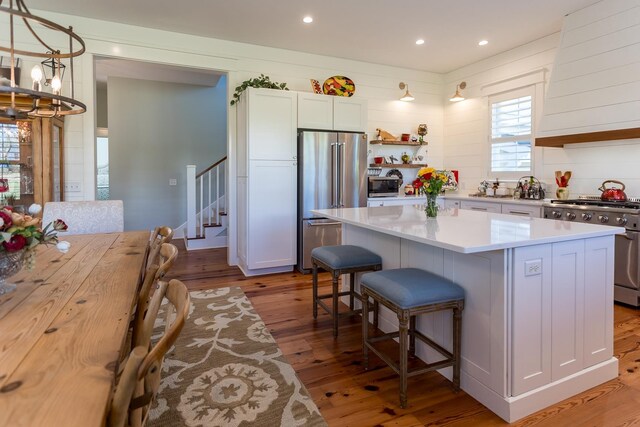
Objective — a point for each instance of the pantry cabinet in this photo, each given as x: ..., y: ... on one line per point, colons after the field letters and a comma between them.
x: 326, y: 112
x: 267, y: 180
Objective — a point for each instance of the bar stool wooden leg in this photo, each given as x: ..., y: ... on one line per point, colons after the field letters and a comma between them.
x: 352, y: 281
x: 403, y: 323
x: 376, y: 308
x: 412, y: 336
x: 457, y: 335
x: 365, y: 328
x: 335, y: 303
x: 315, y: 290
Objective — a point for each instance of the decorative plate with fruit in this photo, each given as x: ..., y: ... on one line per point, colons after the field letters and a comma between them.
x: 339, y: 86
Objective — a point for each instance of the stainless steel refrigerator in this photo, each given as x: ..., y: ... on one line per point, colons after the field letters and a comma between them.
x: 331, y: 174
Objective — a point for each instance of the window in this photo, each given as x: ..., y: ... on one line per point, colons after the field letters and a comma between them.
x: 102, y: 168
x: 10, y: 161
x: 511, y: 131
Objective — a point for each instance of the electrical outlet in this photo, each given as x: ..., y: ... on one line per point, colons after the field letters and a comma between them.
x: 533, y: 267
x: 72, y: 187
x: 173, y: 181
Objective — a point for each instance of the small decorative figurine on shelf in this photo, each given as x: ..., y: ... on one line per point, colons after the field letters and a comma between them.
x: 422, y: 131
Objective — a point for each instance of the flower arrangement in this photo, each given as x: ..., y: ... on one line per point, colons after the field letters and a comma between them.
x: 430, y: 182
x: 20, y: 231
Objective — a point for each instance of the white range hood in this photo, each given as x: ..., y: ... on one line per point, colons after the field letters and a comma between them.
x: 594, y: 92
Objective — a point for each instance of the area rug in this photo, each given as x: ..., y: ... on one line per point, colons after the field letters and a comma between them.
x: 227, y: 370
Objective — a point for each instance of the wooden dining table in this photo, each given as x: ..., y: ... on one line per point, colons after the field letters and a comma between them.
x: 62, y: 331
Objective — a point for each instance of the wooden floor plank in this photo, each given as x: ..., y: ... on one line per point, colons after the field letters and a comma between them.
x: 347, y: 395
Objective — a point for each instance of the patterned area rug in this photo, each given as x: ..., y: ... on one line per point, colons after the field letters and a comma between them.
x: 227, y: 370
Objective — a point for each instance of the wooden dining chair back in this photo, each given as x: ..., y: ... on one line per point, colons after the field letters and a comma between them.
x: 154, y: 273
x: 140, y: 378
x: 160, y: 236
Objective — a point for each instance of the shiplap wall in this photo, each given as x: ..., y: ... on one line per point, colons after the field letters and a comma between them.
x: 377, y: 83
x: 466, y: 124
x: 595, y: 85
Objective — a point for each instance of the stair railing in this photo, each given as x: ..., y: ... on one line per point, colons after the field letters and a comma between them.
x: 204, y: 197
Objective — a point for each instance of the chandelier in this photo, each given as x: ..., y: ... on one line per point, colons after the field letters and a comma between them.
x: 18, y: 103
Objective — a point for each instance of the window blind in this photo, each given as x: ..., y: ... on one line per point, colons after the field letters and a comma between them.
x: 511, y: 135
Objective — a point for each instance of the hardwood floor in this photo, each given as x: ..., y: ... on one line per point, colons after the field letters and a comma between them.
x: 349, y: 396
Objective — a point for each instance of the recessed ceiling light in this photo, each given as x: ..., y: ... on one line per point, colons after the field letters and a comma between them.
x: 483, y: 43
x: 307, y: 20
x: 419, y: 41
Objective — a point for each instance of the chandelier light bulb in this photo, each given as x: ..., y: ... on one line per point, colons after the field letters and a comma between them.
x: 56, y: 84
x: 36, y: 73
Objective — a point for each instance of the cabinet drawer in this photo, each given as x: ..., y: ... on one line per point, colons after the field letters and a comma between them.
x: 522, y: 210
x: 451, y: 203
x: 481, y: 206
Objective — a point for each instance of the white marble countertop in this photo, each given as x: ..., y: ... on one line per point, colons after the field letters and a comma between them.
x: 466, y: 231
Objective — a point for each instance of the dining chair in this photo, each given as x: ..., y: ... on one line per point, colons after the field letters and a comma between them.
x: 154, y: 273
x: 140, y: 378
x: 86, y: 217
x: 161, y: 235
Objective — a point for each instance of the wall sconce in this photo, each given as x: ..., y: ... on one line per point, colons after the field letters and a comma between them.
x: 458, y: 96
x: 407, y: 96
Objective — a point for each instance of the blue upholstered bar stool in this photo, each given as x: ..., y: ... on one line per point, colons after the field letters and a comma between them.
x: 337, y: 260
x: 409, y: 292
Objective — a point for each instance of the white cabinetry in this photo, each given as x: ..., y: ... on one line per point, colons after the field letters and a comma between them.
x: 522, y: 210
x: 448, y: 203
x: 481, y: 206
x: 562, y: 325
x: 331, y: 112
x: 266, y: 120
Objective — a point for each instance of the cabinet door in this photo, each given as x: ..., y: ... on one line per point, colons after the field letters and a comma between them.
x: 272, y: 122
x: 349, y: 114
x: 531, y: 318
x: 481, y: 206
x: 522, y: 210
x: 271, y: 230
x: 451, y: 203
x: 315, y: 111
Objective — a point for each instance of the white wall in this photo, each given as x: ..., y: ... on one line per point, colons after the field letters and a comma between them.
x: 155, y: 129
x: 466, y: 126
x: 377, y: 83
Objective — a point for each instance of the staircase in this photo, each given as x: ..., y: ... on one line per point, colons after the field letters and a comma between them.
x: 207, y: 220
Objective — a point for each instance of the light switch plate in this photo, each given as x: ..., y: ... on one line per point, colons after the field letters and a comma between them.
x: 72, y: 187
x: 173, y: 182
x: 533, y: 267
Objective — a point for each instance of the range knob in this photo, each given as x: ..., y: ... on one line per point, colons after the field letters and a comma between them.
x: 621, y: 220
x: 586, y: 217
x: 570, y: 216
x: 556, y: 214
x: 603, y: 218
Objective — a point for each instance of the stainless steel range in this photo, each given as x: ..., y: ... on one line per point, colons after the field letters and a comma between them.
x: 591, y: 209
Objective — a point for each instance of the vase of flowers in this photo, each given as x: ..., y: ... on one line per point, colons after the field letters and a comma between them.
x: 430, y: 183
x: 20, y: 234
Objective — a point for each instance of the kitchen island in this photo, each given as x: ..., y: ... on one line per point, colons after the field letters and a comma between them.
x: 538, y: 318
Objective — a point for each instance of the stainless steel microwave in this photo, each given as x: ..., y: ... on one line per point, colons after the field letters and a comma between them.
x: 384, y: 186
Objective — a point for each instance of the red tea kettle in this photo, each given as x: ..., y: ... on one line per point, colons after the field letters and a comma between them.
x: 612, y: 194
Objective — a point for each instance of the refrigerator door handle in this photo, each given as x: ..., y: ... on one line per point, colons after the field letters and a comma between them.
x: 341, y: 174
x: 334, y: 175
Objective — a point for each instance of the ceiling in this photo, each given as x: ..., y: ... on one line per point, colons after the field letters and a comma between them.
x: 377, y: 31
